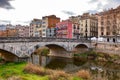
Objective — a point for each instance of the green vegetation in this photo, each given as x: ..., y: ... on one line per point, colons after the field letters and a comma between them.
x: 77, y: 78
x: 86, y: 54
x: 12, y: 70
x: 81, y: 55
x: 97, y: 56
x: 45, y: 51
x: 24, y: 71
x: 9, y: 69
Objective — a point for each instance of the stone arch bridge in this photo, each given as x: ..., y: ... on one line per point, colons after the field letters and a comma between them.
x: 25, y: 46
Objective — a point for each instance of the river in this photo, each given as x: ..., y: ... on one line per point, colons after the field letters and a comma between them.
x: 98, y: 70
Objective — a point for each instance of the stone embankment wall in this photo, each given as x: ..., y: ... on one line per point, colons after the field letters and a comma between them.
x: 111, y: 48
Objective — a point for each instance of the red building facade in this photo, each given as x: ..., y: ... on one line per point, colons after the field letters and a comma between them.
x: 66, y: 29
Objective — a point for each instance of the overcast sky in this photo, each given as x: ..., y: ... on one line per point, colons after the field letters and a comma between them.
x: 19, y: 11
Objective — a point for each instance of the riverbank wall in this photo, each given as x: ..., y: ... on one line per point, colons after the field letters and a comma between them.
x: 110, y: 48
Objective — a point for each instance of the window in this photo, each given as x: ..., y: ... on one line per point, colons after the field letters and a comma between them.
x: 43, y: 26
x: 78, y: 27
x: 43, y: 34
x: 107, y: 39
x: 43, y: 22
x: 107, y: 33
x: 108, y: 28
x: 102, y: 28
x: 37, y: 26
x: 108, y: 22
x: 102, y: 23
x: 101, y: 18
x: 113, y: 32
x: 81, y: 24
x: 81, y: 29
x: 102, y: 33
x: 74, y: 27
x: 43, y: 30
x: 113, y: 39
x: 108, y: 17
x: 50, y: 30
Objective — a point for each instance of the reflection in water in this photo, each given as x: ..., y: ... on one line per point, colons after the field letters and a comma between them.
x: 99, y: 70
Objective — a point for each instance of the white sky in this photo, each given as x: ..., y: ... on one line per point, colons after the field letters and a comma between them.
x: 26, y: 10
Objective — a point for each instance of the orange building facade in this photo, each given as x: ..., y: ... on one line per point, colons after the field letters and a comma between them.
x: 52, y: 20
x: 8, y: 33
x: 48, y: 25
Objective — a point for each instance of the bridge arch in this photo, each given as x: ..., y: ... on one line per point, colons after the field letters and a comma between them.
x: 8, y: 56
x: 49, y: 45
x: 81, y: 48
x: 56, y: 46
x: 55, y: 49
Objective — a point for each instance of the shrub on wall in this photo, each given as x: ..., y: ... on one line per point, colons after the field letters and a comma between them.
x: 45, y: 52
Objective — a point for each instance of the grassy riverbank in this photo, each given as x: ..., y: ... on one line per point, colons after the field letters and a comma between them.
x: 14, y: 71
x: 24, y: 71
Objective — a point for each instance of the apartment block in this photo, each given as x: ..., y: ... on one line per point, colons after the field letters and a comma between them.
x: 48, y: 25
x: 88, y: 25
x: 67, y: 29
x: 109, y: 22
x: 23, y: 31
x: 36, y: 28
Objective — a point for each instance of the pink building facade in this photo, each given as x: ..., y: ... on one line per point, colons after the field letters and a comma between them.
x: 67, y: 29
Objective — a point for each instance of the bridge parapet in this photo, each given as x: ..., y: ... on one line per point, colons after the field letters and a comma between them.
x: 39, y: 39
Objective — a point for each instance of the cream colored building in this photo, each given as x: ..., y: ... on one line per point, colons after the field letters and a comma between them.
x: 36, y: 28
x: 88, y: 25
x: 44, y: 26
